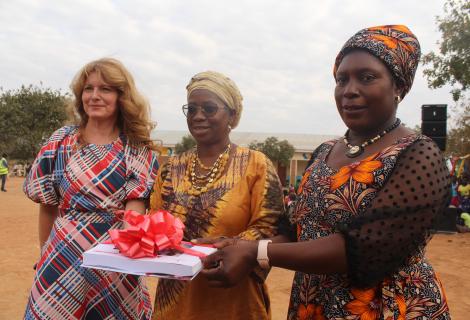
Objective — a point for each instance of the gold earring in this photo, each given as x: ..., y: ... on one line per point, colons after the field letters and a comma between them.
x: 229, y: 127
x: 398, y: 99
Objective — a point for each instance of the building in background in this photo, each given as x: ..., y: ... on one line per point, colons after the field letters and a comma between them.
x: 304, y: 144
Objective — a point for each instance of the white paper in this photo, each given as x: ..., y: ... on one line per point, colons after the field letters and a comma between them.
x: 177, y: 266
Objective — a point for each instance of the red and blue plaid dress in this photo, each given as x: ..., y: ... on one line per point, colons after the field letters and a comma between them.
x: 88, y: 184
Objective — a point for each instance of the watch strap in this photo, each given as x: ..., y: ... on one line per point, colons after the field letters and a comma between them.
x: 262, y: 256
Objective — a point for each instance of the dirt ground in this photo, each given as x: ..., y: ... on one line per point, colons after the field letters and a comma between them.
x: 449, y: 253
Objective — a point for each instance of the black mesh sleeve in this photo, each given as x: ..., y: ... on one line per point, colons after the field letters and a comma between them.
x: 399, y: 222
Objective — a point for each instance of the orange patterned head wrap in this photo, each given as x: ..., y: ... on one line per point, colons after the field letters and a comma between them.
x: 395, y: 45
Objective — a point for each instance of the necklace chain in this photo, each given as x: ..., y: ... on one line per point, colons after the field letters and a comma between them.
x: 354, y: 151
x: 202, y: 183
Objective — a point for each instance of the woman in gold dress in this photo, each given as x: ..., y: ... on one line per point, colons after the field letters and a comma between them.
x: 217, y: 189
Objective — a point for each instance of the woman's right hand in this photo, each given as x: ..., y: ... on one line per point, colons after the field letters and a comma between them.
x: 231, y: 263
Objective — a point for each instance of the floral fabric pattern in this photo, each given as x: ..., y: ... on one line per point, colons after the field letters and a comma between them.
x: 394, y: 45
x: 330, y: 199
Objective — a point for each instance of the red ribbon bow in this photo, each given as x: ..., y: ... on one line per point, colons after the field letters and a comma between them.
x: 147, y: 235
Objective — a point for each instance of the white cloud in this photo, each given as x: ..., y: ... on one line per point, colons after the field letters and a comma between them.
x: 280, y: 53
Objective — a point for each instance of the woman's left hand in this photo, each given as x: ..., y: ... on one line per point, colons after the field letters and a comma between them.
x: 229, y: 265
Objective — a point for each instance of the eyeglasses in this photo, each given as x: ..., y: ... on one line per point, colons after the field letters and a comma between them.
x: 209, y: 110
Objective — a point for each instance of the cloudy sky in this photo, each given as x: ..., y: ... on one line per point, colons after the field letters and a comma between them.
x: 280, y: 53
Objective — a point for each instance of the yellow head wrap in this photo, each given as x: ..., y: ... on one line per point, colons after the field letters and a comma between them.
x: 223, y: 87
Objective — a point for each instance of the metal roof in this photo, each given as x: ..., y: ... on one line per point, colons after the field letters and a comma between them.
x: 301, y: 142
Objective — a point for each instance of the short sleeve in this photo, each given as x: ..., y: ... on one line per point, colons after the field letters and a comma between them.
x: 141, y: 172
x: 39, y: 185
x: 266, y: 205
x: 399, y: 222
x: 266, y: 200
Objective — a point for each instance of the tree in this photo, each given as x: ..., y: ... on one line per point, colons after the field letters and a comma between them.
x: 277, y: 151
x: 28, y: 116
x: 458, y: 138
x: 452, y: 64
x: 187, y: 143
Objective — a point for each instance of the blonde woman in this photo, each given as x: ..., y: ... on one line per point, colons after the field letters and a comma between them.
x: 81, y: 177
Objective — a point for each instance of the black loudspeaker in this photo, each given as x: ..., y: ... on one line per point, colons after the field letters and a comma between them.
x: 434, y: 112
x: 434, y: 123
x: 434, y: 128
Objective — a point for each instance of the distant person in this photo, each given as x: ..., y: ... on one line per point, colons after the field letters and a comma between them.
x: 18, y: 169
x: 463, y: 222
x: 291, y: 189
x: 464, y: 194
x: 4, y: 170
x: 82, y: 178
x: 466, y: 219
x: 454, y: 200
x: 291, y: 200
x: 27, y: 167
x: 285, y: 194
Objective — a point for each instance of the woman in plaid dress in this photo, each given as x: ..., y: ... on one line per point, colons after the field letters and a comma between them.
x: 82, y: 178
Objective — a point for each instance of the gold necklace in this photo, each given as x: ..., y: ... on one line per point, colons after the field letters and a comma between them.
x: 202, y: 183
x: 200, y: 164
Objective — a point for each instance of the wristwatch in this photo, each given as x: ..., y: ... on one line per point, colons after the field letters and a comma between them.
x: 262, y: 257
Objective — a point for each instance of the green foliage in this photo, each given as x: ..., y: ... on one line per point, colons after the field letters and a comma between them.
x: 28, y: 116
x: 452, y: 64
x: 458, y: 138
x: 278, y: 151
x: 187, y: 143
x: 417, y: 128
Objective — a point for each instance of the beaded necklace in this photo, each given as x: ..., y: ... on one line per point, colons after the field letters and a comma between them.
x: 354, y: 151
x: 202, y: 183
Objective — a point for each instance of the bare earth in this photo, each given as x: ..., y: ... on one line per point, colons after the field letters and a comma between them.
x: 450, y: 255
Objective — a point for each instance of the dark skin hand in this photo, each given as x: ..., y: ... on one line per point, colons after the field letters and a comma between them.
x: 234, y: 261
x: 236, y: 258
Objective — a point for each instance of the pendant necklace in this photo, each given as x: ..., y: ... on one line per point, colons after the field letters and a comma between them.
x: 354, y: 151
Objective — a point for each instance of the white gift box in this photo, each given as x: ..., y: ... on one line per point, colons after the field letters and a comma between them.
x: 175, y: 266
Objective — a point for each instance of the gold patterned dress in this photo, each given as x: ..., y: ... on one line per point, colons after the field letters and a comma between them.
x: 246, y: 201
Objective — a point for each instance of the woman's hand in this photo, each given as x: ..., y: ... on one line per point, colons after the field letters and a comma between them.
x: 232, y: 263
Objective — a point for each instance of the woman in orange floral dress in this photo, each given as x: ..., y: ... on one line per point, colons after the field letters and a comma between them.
x: 366, y: 204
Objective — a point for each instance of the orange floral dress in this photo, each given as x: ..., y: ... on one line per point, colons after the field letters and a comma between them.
x: 384, y: 205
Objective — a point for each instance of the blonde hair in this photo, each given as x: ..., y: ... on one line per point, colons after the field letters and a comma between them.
x: 134, y: 110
